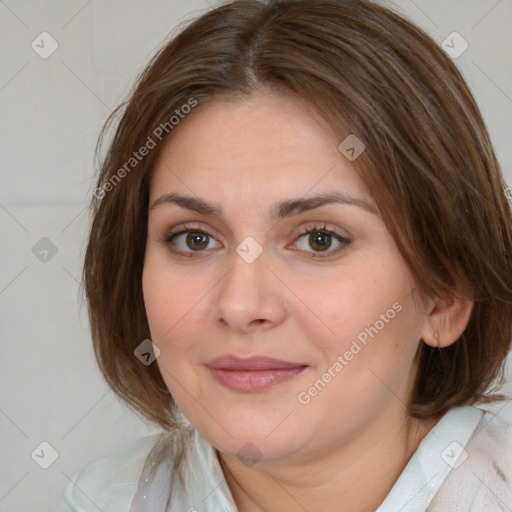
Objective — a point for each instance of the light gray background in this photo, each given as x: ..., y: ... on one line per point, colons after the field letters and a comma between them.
x: 51, y: 113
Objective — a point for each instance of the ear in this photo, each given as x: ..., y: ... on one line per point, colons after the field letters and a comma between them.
x: 448, y: 318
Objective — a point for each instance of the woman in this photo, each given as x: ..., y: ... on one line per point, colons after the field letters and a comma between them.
x: 299, y: 268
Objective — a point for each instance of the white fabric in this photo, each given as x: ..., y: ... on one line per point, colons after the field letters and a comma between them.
x: 463, y: 464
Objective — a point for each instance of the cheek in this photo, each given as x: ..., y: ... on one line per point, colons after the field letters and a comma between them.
x: 169, y: 297
x: 166, y: 312
x: 341, y: 308
x: 368, y: 335
x: 366, y: 366
x: 176, y: 309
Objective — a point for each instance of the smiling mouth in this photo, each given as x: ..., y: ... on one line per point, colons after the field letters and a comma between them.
x: 253, y: 374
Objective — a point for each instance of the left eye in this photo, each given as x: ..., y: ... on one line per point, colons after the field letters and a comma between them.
x: 195, y: 240
x: 321, y: 240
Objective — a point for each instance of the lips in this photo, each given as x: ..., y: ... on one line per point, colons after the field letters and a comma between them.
x: 252, y: 374
x: 251, y: 363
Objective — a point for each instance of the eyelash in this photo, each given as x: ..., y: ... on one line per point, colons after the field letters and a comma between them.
x: 169, y: 238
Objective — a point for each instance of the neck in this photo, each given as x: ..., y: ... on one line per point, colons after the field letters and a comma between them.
x: 356, y: 475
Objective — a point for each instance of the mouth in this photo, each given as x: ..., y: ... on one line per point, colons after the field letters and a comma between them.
x: 252, y: 374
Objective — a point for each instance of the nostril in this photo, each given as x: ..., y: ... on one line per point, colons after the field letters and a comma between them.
x: 258, y: 321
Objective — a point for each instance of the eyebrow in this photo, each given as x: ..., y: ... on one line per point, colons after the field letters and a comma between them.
x: 279, y: 211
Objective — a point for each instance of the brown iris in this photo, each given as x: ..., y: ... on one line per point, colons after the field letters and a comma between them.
x: 195, y: 238
x: 320, y: 241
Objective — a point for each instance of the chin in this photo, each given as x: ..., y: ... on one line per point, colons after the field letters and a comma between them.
x: 247, y: 434
x: 254, y: 450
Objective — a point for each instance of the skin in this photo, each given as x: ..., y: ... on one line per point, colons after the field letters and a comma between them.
x: 351, y: 441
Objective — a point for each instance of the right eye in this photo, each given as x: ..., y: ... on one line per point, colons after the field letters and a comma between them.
x: 188, y: 241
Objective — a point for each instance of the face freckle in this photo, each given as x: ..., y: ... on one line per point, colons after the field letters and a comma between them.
x: 285, y: 303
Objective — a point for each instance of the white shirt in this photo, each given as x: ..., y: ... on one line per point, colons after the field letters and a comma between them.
x: 463, y: 464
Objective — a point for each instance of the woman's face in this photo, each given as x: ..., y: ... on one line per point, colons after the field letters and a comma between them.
x: 274, y: 342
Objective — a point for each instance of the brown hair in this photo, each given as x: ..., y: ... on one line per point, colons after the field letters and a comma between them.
x: 429, y: 165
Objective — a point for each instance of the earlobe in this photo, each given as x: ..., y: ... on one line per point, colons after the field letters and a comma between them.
x: 447, y: 321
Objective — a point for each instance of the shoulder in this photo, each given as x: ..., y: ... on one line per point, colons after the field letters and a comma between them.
x: 489, y: 451
x: 109, y: 483
x: 483, y: 478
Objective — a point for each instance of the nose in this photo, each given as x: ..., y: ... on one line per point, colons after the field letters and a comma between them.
x: 249, y: 296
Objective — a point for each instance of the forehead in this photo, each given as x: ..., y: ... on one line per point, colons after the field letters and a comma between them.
x: 265, y: 142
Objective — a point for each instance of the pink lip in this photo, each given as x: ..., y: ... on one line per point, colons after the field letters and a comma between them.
x: 254, y: 373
